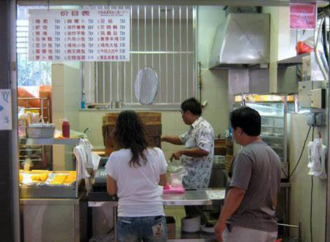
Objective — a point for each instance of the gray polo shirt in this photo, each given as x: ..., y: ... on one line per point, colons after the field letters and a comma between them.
x: 256, y: 169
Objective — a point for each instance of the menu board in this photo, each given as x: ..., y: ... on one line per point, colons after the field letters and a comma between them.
x: 79, y: 35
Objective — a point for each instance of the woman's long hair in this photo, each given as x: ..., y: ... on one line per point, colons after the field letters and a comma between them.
x: 129, y: 133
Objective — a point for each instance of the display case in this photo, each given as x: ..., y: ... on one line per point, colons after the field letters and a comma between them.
x: 39, y: 180
x: 51, y: 203
x: 273, y: 110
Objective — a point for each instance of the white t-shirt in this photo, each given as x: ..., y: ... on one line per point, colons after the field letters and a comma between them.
x: 137, y: 187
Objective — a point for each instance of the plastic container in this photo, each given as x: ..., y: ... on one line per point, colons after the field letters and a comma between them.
x: 40, y: 132
x: 191, y: 225
x: 66, y: 129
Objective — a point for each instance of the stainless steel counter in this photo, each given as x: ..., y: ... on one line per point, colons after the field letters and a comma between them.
x: 199, y: 197
x: 51, y: 220
x: 195, y: 197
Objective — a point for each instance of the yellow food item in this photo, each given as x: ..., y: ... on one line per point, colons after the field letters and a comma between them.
x: 43, y: 177
x: 58, y: 179
x: 20, y: 177
x: 40, y: 177
x: 71, y: 177
x: 35, y: 178
x: 72, y: 173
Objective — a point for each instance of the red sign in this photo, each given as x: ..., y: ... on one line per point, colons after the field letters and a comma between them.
x: 303, y: 15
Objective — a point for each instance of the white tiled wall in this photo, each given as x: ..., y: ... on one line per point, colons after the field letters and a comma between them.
x: 209, y: 18
x: 301, y: 185
x: 66, y: 90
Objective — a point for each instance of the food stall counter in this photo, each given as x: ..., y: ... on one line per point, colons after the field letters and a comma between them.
x: 190, y: 197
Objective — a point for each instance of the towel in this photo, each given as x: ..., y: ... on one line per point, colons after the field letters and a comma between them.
x: 86, y: 159
x: 81, y: 159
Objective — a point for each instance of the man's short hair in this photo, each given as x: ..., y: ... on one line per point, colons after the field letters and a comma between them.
x: 192, y: 105
x: 247, y: 119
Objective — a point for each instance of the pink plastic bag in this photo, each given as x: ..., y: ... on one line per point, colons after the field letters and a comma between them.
x: 168, y: 189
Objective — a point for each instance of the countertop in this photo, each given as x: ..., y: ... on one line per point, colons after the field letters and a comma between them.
x: 190, y: 197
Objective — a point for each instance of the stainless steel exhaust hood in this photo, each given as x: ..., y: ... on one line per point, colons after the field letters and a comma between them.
x: 241, y: 40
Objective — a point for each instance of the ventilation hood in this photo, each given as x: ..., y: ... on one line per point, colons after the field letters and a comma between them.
x: 241, y: 40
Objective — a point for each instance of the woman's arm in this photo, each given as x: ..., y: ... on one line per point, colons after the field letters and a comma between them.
x: 111, y: 186
x: 162, y: 180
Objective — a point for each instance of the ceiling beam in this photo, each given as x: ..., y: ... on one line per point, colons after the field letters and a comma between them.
x: 160, y: 2
x: 169, y: 2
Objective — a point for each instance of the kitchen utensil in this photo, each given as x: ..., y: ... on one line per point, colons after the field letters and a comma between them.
x: 146, y: 85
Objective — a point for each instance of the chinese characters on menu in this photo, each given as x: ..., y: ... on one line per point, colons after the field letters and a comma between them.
x: 79, y: 35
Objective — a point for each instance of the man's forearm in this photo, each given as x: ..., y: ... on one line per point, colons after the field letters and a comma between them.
x: 172, y: 139
x: 195, y: 152
x: 233, y: 201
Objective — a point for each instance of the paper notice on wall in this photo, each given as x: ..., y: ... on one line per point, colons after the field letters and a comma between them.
x: 79, y: 35
x: 5, y: 109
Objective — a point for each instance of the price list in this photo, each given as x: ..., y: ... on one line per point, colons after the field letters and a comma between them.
x: 79, y: 35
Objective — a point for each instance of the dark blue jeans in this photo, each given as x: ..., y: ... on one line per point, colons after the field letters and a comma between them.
x: 137, y: 229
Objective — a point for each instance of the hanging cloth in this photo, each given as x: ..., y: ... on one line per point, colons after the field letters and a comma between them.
x: 316, y: 158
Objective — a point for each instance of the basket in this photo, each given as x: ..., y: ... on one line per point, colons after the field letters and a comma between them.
x: 40, y: 132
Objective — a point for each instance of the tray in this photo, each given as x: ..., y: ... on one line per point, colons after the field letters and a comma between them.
x: 47, y: 190
x: 40, y: 132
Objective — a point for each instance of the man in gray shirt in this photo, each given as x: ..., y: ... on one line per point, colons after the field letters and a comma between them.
x: 249, y: 211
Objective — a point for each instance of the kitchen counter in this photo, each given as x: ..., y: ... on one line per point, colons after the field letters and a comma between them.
x: 43, y: 218
x: 192, y: 197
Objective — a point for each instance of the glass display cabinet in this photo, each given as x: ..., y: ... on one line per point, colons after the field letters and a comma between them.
x: 274, y: 129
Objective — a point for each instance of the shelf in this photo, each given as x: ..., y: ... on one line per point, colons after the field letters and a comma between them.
x: 193, y: 237
x: 293, y: 61
x: 271, y: 116
x: 271, y: 136
x: 35, y: 108
x: 50, y: 141
x: 23, y: 149
x: 270, y: 126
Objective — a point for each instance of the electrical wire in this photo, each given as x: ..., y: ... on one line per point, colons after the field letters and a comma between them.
x: 317, y: 55
x: 324, y: 40
x: 286, y: 175
x: 302, y: 151
x: 311, y: 208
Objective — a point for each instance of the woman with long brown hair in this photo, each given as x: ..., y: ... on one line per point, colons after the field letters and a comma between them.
x: 133, y: 173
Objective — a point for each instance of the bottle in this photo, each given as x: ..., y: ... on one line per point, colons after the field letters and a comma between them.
x: 230, y: 133
x: 66, y: 129
x: 27, y: 164
x: 83, y: 105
